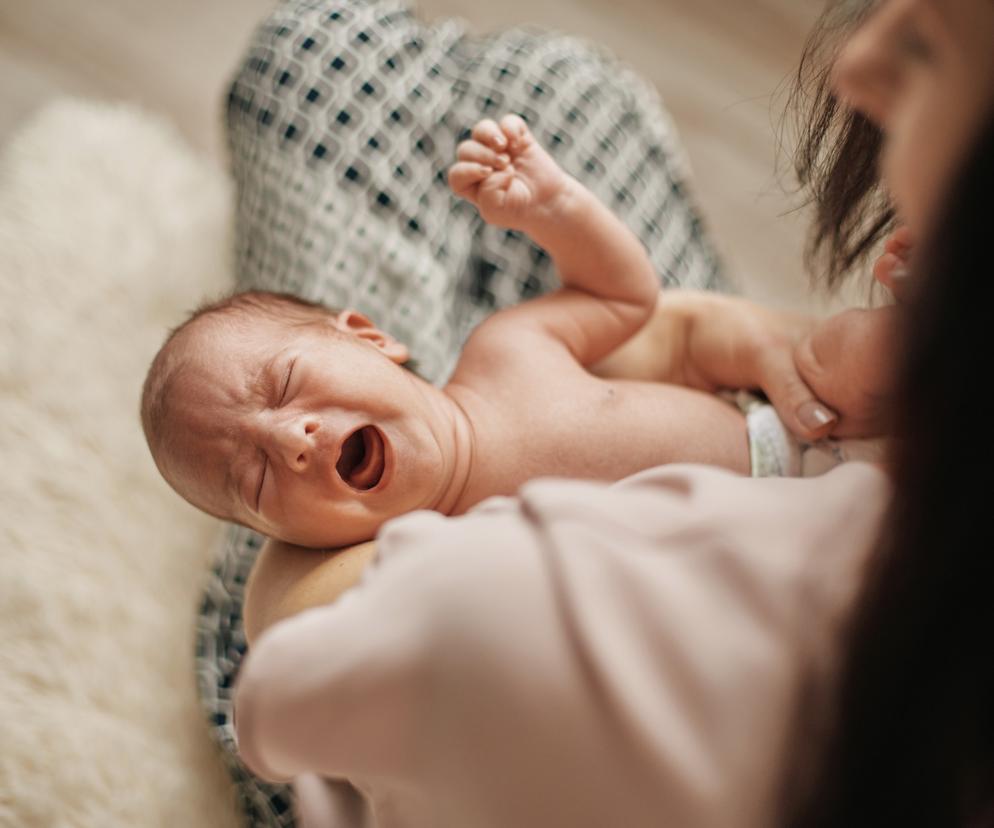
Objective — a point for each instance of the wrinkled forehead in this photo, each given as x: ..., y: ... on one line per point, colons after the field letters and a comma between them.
x: 196, y: 459
x: 218, y: 373
x: 218, y: 364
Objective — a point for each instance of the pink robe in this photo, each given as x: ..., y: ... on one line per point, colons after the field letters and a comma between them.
x: 662, y: 651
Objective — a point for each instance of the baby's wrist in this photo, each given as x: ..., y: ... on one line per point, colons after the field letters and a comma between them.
x: 559, y: 213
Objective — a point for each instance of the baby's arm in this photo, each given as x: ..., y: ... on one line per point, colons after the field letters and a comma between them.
x: 609, y: 285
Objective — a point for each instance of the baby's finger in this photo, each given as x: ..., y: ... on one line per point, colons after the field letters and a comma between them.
x: 480, y: 154
x: 514, y: 128
x: 499, y: 182
x: 466, y: 175
x: 487, y: 132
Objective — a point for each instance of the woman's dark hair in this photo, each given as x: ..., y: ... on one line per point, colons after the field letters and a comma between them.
x: 914, y: 731
x: 836, y: 154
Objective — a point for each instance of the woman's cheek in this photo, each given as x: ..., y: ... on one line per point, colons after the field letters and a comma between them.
x: 905, y: 171
x: 927, y: 146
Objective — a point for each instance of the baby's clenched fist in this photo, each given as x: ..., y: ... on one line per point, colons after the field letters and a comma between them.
x: 513, y: 181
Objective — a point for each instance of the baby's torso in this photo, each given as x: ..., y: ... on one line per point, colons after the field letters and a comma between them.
x: 537, y: 413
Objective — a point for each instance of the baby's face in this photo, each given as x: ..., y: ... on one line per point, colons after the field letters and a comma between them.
x: 311, y: 435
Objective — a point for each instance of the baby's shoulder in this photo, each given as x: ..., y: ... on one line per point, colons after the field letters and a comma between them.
x: 500, y: 352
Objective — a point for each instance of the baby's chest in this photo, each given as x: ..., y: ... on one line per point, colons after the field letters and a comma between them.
x: 562, y: 426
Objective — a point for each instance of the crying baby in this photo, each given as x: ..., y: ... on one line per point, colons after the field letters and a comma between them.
x: 302, y: 422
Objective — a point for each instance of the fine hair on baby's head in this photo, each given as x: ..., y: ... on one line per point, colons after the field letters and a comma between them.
x: 296, y: 420
x: 240, y: 309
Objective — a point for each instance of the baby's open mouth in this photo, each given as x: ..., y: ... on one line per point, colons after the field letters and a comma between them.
x: 362, y: 460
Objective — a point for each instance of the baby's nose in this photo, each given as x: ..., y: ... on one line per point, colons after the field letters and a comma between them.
x: 296, y: 440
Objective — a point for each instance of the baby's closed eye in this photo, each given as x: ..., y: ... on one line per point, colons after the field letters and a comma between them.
x: 286, y: 382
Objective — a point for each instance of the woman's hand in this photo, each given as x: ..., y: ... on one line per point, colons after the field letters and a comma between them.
x: 709, y: 341
x: 847, y: 359
x: 824, y: 377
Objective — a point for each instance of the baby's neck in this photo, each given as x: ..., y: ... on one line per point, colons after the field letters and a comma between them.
x: 458, y: 437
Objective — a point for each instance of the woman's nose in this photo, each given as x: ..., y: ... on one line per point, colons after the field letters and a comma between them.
x: 865, y: 75
x: 295, y: 440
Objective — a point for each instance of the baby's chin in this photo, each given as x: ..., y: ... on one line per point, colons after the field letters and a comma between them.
x: 324, y: 540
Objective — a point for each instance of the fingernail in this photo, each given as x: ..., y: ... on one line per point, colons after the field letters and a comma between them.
x: 504, y: 159
x: 899, y: 273
x: 814, y: 416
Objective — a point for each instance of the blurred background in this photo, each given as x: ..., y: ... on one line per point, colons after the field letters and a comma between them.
x: 721, y: 67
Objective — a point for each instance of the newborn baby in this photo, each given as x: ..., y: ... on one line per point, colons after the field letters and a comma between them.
x: 301, y: 422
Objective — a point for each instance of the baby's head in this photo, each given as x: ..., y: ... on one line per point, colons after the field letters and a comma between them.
x: 292, y: 419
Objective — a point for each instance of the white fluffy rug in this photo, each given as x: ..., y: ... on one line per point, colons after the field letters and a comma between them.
x: 109, y: 230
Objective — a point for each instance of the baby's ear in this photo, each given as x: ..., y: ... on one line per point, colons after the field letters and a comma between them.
x: 355, y: 323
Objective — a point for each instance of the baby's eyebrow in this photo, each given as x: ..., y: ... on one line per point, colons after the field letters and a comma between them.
x: 264, y: 382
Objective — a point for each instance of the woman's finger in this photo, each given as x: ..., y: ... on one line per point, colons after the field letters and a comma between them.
x: 799, y: 409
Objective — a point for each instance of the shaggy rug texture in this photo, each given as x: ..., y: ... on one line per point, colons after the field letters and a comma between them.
x: 109, y: 230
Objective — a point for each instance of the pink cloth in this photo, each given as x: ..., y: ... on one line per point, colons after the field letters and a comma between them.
x: 657, y: 652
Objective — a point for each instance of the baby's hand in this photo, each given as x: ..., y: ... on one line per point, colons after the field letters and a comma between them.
x: 513, y: 182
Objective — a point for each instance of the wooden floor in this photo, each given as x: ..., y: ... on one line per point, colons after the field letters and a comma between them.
x: 717, y: 63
